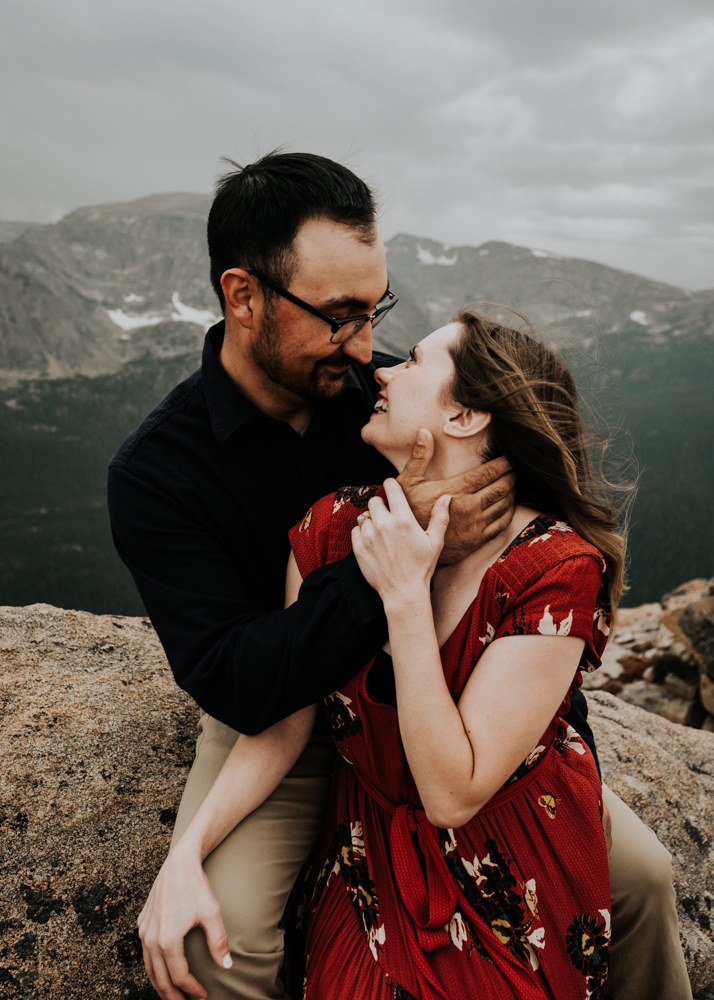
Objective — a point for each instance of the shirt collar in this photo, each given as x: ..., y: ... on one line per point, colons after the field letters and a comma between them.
x: 228, y: 409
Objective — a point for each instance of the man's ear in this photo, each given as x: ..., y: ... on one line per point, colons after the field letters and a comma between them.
x: 467, y: 423
x: 243, y: 297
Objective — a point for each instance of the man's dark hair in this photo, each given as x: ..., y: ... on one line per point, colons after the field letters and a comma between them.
x: 259, y: 208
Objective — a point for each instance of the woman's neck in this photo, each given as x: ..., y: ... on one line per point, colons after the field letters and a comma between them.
x: 456, y: 586
x: 452, y: 457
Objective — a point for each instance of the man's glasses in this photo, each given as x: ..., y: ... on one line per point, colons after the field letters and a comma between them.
x: 342, y: 330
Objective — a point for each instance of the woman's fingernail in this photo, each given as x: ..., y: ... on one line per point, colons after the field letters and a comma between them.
x: 448, y: 501
x: 227, y: 962
x: 421, y: 437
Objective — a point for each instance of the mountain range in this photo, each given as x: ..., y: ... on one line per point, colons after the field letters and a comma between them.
x: 103, y: 311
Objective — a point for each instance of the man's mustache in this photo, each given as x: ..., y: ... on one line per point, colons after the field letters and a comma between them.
x: 338, y: 359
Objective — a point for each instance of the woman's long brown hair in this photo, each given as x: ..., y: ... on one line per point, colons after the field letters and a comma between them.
x: 536, y: 423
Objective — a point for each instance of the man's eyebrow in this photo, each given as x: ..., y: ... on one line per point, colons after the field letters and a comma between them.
x: 349, y: 302
x: 344, y: 301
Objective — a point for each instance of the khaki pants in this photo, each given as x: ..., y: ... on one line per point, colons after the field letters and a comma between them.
x: 254, y: 868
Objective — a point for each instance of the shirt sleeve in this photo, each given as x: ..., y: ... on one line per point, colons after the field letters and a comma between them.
x: 244, y: 664
x: 564, y: 600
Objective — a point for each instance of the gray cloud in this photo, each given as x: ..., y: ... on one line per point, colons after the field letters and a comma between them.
x: 583, y: 128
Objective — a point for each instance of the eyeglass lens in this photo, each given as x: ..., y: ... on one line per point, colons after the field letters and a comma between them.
x: 349, y: 330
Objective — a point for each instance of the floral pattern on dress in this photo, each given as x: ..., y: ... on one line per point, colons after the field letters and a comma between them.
x: 399, y: 993
x: 539, y: 530
x: 347, y: 857
x: 548, y: 802
x: 343, y: 720
x: 568, y: 739
x: 548, y: 626
x: 587, y: 941
x: 508, y: 905
x: 358, y: 496
x: 461, y: 932
x: 528, y: 764
x: 602, y: 617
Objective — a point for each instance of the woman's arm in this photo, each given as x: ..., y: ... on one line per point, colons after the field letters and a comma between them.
x: 459, y: 755
x: 181, y: 897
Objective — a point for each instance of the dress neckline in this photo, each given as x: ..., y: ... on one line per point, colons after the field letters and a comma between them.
x: 522, y: 536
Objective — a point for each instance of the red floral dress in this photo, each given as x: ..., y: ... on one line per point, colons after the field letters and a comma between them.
x: 516, y: 903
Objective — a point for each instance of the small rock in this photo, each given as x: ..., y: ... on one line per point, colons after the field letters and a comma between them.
x: 706, y: 691
x: 687, y: 593
x: 671, y: 699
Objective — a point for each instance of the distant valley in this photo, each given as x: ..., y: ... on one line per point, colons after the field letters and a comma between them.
x: 103, y: 312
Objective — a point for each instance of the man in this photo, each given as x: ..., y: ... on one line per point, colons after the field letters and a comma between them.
x: 201, y: 498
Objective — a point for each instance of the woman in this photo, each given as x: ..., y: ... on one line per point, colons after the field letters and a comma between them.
x: 462, y: 853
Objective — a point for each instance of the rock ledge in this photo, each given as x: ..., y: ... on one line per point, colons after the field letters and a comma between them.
x: 96, y: 742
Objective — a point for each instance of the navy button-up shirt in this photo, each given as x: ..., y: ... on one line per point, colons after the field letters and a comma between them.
x: 201, y: 498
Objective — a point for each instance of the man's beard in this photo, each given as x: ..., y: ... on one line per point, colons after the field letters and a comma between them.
x: 314, y: 387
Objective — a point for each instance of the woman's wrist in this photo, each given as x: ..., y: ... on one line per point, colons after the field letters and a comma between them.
x: 189, y: 849
x: 407, y: 601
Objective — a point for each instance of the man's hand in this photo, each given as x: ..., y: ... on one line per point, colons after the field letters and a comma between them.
x: 180, y: 899
x: 607, y: 826
x: 481, y: 499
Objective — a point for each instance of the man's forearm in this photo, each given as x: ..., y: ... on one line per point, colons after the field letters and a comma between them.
x: 258, y: 668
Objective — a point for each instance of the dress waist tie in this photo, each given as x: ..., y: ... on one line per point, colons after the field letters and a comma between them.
x: 425, y: 884
x: 424, y: 881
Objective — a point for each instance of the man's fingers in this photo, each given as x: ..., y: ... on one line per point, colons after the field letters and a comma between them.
x: 489, y: 485
x: 478, y: 481
x: 498, y: 525
x: 422, y: 453
x: 496, y: 504
x: 489, y: 472
x: 607, y: 826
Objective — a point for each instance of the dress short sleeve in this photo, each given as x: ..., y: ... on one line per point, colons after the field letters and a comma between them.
x: 569, y: 598
x: 310, y: 539
x: 325, y: 533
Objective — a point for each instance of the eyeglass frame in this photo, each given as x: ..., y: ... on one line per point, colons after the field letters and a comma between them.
x: 335, y: 323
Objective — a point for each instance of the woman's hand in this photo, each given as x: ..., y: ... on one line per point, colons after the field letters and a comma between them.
x: 180, y: 899
x: 396, y: 556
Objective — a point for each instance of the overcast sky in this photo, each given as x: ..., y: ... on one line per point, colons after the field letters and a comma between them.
x: 585, y: 128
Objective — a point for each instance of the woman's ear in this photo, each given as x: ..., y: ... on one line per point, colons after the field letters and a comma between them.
x: 467, y: 423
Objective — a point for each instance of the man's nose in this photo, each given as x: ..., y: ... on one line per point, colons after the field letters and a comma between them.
x: 359, y: 347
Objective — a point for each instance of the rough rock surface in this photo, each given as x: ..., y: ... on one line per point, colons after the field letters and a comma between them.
x: 665, y: 773
x: 660, y: 657
x: 96, y: 741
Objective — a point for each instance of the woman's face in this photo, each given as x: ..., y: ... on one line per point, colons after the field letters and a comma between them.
x: 411, y: 397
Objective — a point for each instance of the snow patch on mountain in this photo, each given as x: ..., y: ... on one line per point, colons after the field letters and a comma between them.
x: 131, y: 322
x: 187, y: 314
x: 427, y: 257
